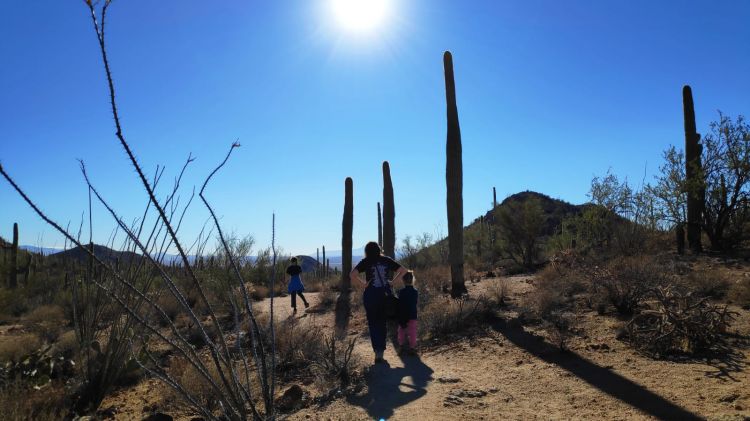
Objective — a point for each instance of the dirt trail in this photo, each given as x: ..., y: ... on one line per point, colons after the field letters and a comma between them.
x: 513, y: 373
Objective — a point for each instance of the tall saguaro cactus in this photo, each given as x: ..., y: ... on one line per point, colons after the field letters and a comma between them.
x: 494, y: 198
x: 380, y: 227
x: 347, y: 225
x: 693, y: 173
x: 13, y: 270
x: 454, y: 183
x: 389, y: 214
x: 325, y: 269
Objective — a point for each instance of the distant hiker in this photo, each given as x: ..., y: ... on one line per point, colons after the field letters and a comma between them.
x: 407, y: 314
x: 295, y: 286
x: 379, y: 271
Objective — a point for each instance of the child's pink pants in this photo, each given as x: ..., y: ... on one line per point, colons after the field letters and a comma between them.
x: 411, y: 331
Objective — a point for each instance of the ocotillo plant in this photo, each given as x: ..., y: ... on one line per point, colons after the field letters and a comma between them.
x: 380, y: 227
x: 693, y: 173
x: 389, y: 214
x: 347, y: 225
x: 454, y: 183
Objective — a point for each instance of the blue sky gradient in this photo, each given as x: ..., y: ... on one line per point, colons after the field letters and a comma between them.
x: 549, y: 94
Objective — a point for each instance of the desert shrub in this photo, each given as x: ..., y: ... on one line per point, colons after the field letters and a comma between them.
x: 625, y: 282
x: 66, y: 344
x: 260, y: 292
x: 739, y: 293
x: 171, y: 308
x: 13, y: 302
x: 195, y: 384
x: 46, y: 321
x: 499, y: 290
x: 708, y: 283
x: 336, y: 359
x: 678, y: 323
x: 326, y: 299
x: 446, y: 316
x: 12, y: 349
x: 560, y: 326
x: 432, y: 282
x: 298, y: 343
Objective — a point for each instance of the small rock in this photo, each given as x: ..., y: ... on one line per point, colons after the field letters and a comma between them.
x: 493, y: 390
x: 158, y: 416
x: 729, y: 398
x: 291, y: 398
x: 448, y: 379
x: 452, y: 400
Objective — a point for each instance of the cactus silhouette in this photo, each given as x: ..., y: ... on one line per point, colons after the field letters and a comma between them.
x: 693, y: 173
x: 380, y: 227
x: 454, y: 183
x: 347, y: 225
x: 325, y: 268
x: 389, y: 214
x: 14, y: 269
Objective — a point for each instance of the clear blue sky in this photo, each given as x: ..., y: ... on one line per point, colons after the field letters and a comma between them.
x: 550, y: 93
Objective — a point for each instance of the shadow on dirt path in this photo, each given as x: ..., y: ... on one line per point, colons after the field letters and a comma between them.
x: 391, y: 387
x: 602, y: 378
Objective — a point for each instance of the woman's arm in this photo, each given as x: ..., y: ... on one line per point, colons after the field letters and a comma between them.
x: 354, y: 275
x: 399, y: 274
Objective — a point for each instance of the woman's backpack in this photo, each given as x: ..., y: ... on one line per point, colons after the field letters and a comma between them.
x: 391, y: 300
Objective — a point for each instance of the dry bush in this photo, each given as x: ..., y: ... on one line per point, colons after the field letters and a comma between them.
x: 739, y: 293
x: 171, y: 308
x: 443, y: 317
x: 327, y: 299
x: 194, y: 384
x: 678, y: 323
x: 561, y: 326
x: 66, y: 344
x: 12, y: 349
x: 708, y: 283
x: 432, y: 283
x: 556, y: 288
x: 499, y: 290
x: 18, y: 402
x: 260, y: 292
x: 298, y: 343
x: 336, y: 360
x: 46, y: 321
x: 625, y: 282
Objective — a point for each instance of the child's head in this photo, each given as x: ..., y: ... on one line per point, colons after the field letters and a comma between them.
x: 293, y: 260
x: 409, y: 278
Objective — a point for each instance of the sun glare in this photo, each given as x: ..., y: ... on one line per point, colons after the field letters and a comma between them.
x: 360, y: 15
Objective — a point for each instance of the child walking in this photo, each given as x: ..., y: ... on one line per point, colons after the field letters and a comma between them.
x: 407, y: 314
x: 295, y: 286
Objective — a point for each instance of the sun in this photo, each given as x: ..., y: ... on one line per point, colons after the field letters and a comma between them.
x: 360, y: 15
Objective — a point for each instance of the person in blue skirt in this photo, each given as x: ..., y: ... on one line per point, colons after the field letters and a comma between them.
x: 295, y: 286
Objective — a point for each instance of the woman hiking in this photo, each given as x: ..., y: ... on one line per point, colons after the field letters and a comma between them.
x: 295, y: 286
x: 380, y: 271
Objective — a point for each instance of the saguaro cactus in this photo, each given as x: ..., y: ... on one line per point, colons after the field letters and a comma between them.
x: 14, y: 269
x: 347, y: 225
x: 389, y: 214
x: 454, y: 183
x: 494, y: 198
x: 325, y: 269
x: 693, y: 173
x: 380, y: 227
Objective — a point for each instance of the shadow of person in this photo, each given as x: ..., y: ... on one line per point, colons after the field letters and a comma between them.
x: 604, y: 379
x: 391, y: 387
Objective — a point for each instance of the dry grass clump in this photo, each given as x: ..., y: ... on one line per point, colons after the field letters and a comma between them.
x: 66, y: 344
x: 499, y: 290
x: 444, y: 317
x: 708, y: 283
x: 194, y: 383
x: 327, y: 299
x: 739, y: 293
x: 12, y: 349
x: 47, y: 321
